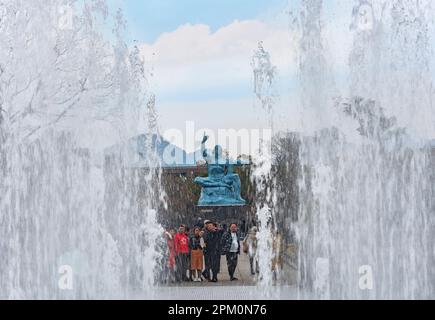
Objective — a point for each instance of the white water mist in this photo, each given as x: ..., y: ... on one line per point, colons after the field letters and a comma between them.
x: 74, y: 222
x: 264, y: 74
x: 365, y: 224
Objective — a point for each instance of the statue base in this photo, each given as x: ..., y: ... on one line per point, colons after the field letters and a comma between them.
x: 226, y: 214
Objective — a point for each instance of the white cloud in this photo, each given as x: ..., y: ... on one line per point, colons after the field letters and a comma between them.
x: 206, y: 76
x: 193, y: 44
x: 193, y: 58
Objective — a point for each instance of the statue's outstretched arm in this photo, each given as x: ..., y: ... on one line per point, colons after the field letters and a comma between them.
x: 203, y: 149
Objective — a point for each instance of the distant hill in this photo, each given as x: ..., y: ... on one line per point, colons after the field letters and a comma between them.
x: 135, y: 150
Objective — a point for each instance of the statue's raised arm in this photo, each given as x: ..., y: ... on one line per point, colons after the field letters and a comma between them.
x: 203, y: 148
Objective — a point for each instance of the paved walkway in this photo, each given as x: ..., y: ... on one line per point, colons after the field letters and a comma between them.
x: 225, y: 293
x: 244, y: 289
x: 243, y: 273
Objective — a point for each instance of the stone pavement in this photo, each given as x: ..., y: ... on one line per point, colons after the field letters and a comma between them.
x: 243, y: 273
x: 244, y: 289
x: 225, y: 293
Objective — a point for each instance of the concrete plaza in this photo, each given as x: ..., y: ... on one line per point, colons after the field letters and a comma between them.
x: 244, y: 289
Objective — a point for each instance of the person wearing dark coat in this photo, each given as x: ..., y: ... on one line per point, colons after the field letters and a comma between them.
x: 212, y: 242
x: 231, y: 249
x: 220, y: 230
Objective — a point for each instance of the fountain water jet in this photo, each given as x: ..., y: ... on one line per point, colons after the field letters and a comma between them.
x: 73, y: 223
x: 366, y: 168
x: 264, y: 74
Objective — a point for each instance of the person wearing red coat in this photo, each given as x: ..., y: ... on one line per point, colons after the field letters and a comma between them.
x: 181, y: 244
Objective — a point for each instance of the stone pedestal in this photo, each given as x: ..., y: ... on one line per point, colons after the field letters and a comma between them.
x: 226, y: 214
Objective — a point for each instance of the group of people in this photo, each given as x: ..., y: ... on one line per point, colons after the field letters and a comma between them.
x: 195, y: 254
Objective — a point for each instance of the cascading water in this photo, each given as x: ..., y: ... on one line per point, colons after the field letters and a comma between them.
x: 366, y: 215
x: 264, y: 74
x: 74, y: 223
x: 79, y: 223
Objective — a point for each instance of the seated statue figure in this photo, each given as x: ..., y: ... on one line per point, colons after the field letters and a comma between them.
x: 221, y: 187
x: 234, y: 179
